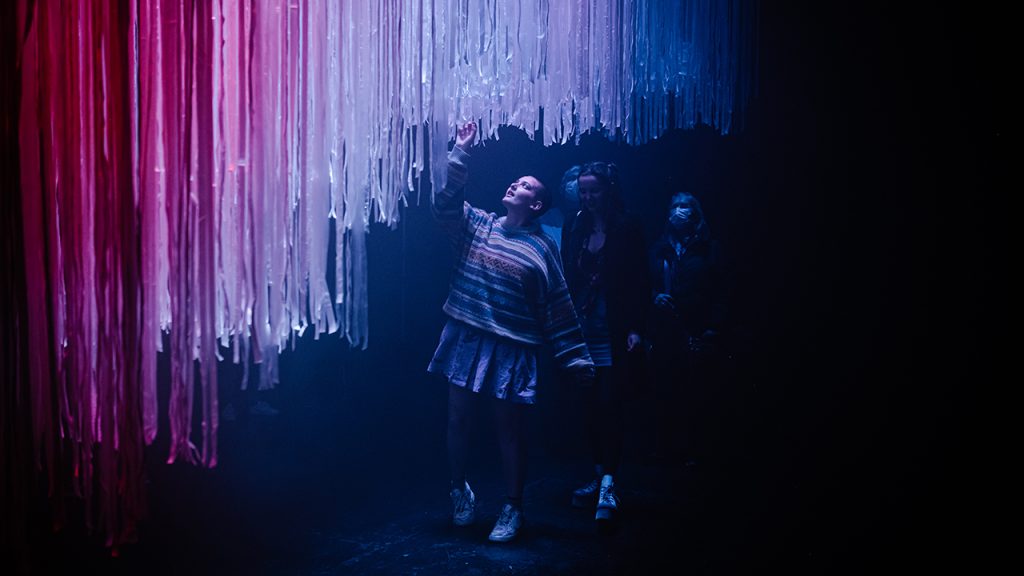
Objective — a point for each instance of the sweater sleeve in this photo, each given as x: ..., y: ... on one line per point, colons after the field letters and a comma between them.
x: 449, y: 205
x: 561, y: 325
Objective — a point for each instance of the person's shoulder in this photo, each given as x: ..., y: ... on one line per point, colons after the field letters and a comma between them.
x: 544, y: 239
x: 709, y: 248
x: 539, y: 241
x: 661, y: 246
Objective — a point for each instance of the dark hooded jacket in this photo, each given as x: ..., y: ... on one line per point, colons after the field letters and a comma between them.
x: 694, y: 277
x: 625, y: 280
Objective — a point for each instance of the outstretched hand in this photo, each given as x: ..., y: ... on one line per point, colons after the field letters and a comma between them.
x: 465, y: 134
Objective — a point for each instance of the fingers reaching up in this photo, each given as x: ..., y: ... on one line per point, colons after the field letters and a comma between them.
x: 465, y: 134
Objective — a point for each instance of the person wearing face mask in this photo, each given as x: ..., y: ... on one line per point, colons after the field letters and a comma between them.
x: 689, y: 308
x: 603, y: 251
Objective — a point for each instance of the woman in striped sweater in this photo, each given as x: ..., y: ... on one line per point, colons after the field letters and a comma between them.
x: 508, y: 297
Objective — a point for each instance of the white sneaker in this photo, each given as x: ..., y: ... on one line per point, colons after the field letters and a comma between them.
x: 463, y: 505
x: 607, y: 503
x: 585, y: 496
x: 509, y: 522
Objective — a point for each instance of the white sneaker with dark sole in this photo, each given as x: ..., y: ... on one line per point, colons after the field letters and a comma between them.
x: 509, y: 522
x: 463, y: 505
x: 607, y: 504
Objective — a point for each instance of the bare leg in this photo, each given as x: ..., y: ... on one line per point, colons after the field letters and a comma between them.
x: 460, y: 405
x: 508, y: 417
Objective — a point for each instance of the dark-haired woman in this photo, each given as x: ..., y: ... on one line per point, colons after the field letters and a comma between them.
x: 604, y: 255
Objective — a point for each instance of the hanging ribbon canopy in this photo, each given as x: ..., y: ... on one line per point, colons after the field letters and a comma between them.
x: 184, y: 160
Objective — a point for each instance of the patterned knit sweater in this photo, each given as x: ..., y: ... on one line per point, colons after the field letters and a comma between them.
x: 507, y: 281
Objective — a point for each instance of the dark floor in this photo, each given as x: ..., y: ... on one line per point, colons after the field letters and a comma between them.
x: 351, y: 477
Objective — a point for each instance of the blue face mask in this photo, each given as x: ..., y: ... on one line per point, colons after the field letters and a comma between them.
x: 682, y: 218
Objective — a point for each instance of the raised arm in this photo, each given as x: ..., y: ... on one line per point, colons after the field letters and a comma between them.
x: 465, y: 134
x: 449, y: 206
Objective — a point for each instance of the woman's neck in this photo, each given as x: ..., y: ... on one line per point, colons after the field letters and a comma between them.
x: 515, y: 220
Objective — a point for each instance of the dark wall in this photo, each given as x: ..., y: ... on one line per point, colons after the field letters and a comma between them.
x: 879, y: 136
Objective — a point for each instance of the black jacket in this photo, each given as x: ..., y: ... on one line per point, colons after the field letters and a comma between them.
x: 627, y: 287
x: 696, y: 282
